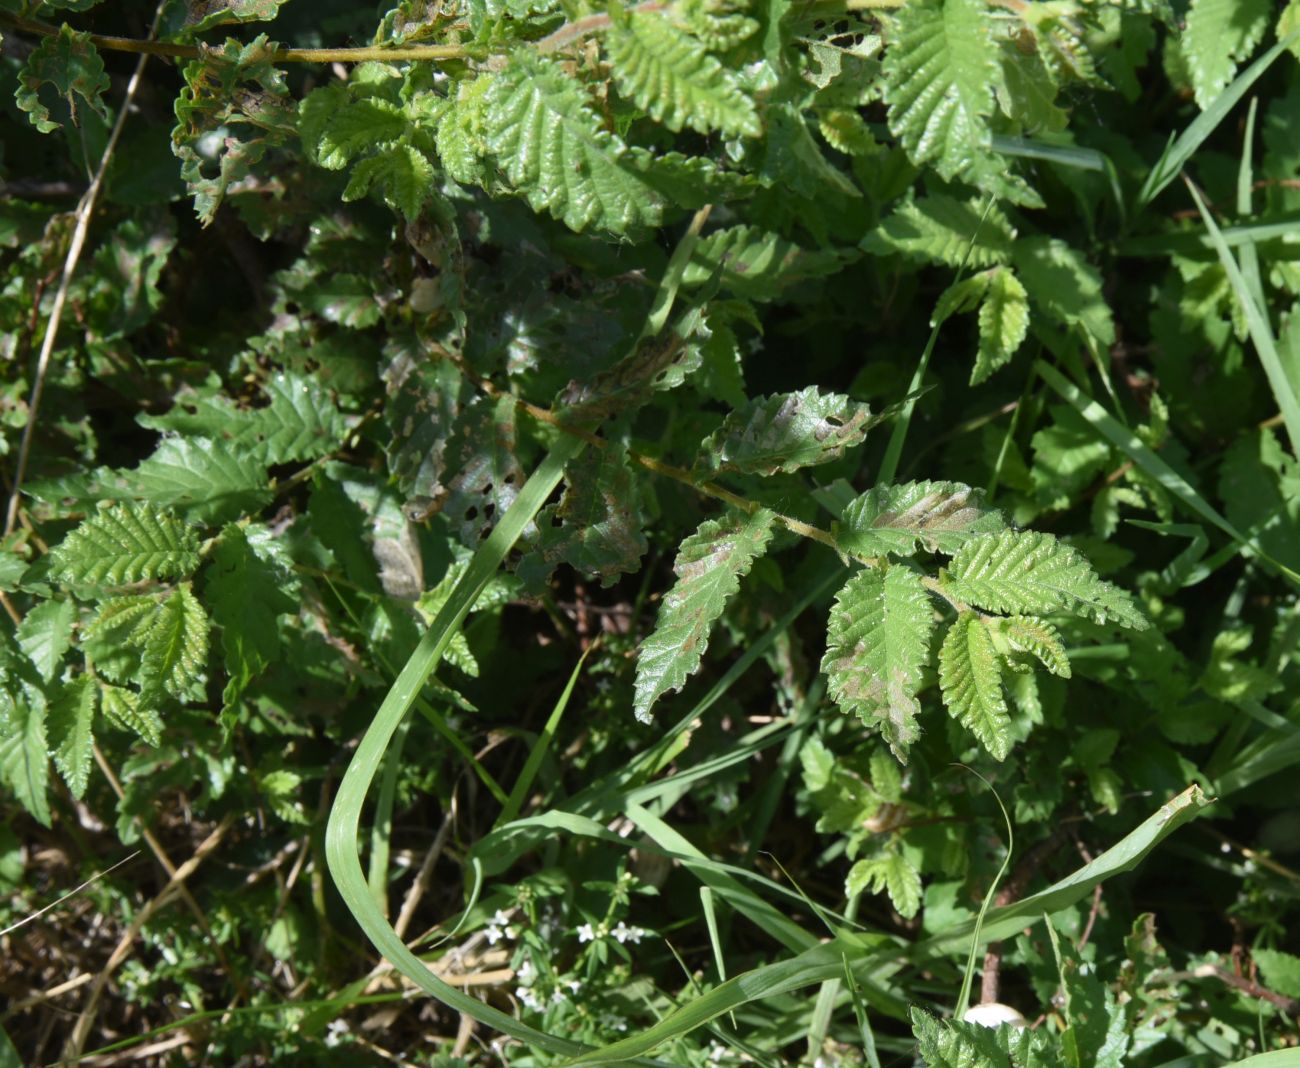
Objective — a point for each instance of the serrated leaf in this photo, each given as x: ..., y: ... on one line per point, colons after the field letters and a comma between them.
x: 174, y: 649
x: 787, y: 431
x: 673, y: 78
x: 971, y: 682
x: 943, y: 229
x: 596, y: 527
x: 1038, y: 638
x: 1219, y: 34
x: 1003, y: 323
x: 71, y: 719
x: 937, y: 516
x: 45, y: 634
x: 958, y: 1044
x: 1064, y: 285
x: 877, y: 641
x: 756, y: 264
x: 125, y: 543
x: 1028, y: 571
x: 122, y: 707
x: 114, y: 638
x: 1280, y: 971
x: 552, y: 146
x: 892, y: 873
x: 336, y: 128
x: 299, y: 422
x: 69, y: 61
x: 709, y: 566
x: 401, y: 173
x: 206, y: 479
x: 939, y: 73
x: 24, y: 761
x: 249, y: 585
x: 203, y: 15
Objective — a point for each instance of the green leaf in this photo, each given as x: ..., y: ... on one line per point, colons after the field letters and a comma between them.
x: 300, y: 421
x: 596, y: 527
x: 877, y: 641
x: 72, y: 716
x: 122, y: 707
x: 756, y: 264
x: 936, y: 516
x: 709, y: 565
x: 971, y: 683
x: 787, y: 431
x: 1003, y: 322
x: 249, y: 585
x: 1036, y: 637
x: 126, y: 543
x: 174, y: 648
x: 24, y: 760
x: 673, y: 78
x: 1028, y: 571
x: 892, y: 873
x: 1064, y: 286
x: 1220, y: 34
x: 68, y: 61
x: 402, y: 174
x: 207, y: 480
x: 1280, y: 971
x: 211, y: 13
x: 336, y: 128
x: 482, y: 449
x: 939, y: 74
x: 539, y: 123
x: 942, y: 229
x: 113, y: 640
x: 45, y: 634
x: 957, y: 1044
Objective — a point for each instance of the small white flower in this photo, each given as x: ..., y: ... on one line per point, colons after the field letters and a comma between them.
x: 500, y: 919
x: 526, y: 973
x: 529, y: 998
x: 494, y: 935
x: 335, y: 1031
x: 558, y: 998
x: 586, y: 933
x: 574, y: 986
x: 624, y: 933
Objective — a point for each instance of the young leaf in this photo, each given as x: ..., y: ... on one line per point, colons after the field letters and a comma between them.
x: 125, y: 543
x: 299, y: 422
x: 24, y: 759
x: 401, y: 173
x: 68, y: 61
x: 248, y: 586
x: 939, y: 75
x: 175, y: 648
x: 937, y: 516
x: 1219, y: 35
x: 122, y: 707
x: 877, y: 641
x: 672, y: 77
x: 958, y: 1044
x: 336, y: 128
x: 553, y: 148
x: 114, y: 638
x: 1064, y: 285
x: 72, y: 715
x: 756, y: 264
x: 971, y: 683
x: 709, y: 565
x: 1280, y: 971
x: 787, y: 431
x: 1025, y: 634
x: 892, y: 873
x: 941, y: 229
x: 1028, y: 571
x: 1003, y: 323
x: 596, y: 527
x: 45, y: 634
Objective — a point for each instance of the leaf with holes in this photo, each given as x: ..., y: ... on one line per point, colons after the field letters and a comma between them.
x: 596, y: 527
x: 877, y: 641
x: 126, y: 543
x: 482, y: 450
x: 936, y: 516
x: 68, y: 61
x: 787, y: 431
x: 554, y: 149
x: 709, y: 566
x: 1029, y: 571
x: 71, y: 719
x: 673, y: 78
x: 971, y: 683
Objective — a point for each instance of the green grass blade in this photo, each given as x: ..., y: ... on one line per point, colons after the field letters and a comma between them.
x: 1279, y: 1058
x: 963, y: 998
x: 542, y: 746
x: 1171, y: 162
x: 1261, y: 333
x: 345, y: 816
x: 382, y: 829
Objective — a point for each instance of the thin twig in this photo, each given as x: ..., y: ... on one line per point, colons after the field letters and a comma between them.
x: 85, y: 209
x: 71, y: 893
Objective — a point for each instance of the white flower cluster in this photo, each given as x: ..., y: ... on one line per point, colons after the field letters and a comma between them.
x: 499, y: 927
x: 531, y: 998
x: 621, y: 933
